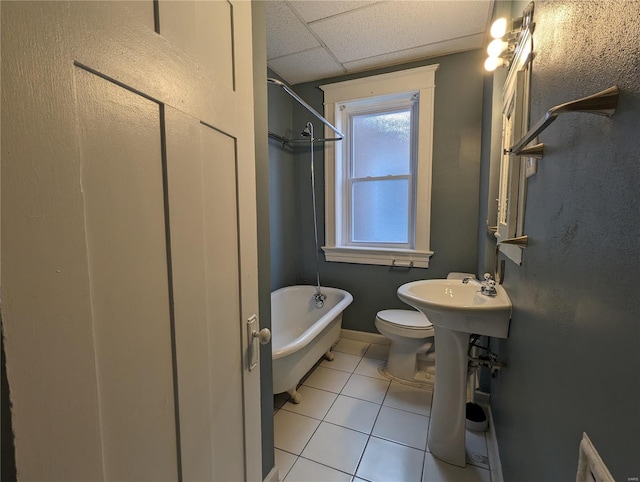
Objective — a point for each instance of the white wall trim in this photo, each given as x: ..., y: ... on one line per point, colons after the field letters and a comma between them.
x: 379, y: 256
x: 273, y: 475
x: 421, y: 80
x: 365, y: 336
x: 492, y: 447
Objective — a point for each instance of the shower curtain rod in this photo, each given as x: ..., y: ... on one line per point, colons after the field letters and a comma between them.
x: 285, y: 140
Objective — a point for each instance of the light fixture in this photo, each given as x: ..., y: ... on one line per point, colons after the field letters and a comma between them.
x: 492, y: 63
x: 496, y: 47
x: 505, y: 35
x: 499, y: 28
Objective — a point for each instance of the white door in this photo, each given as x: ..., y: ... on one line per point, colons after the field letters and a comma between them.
x: 129, y: 265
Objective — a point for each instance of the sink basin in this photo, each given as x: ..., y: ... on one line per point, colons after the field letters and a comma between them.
x: 456, y: 310
x: 461, y: 307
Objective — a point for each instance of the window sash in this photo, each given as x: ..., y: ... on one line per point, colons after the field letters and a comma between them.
x: 407, y: 101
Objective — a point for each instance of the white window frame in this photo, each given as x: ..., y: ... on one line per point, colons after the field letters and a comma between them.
x: 420, y: 81
x: 513, y: 172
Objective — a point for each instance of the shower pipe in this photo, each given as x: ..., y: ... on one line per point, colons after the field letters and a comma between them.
x: 318, y: 297
x: 285, y: 140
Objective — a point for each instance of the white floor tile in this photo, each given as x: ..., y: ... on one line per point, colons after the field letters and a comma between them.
x: 342, y: 361
x: 385, y: 461
x: 379, y: 352
x: 402, y: 427
x: 327, y: 379
x: 292, y: 431
x: 354, y: 347
x: 284, y: 462
x: 411, y: 399
x: 366, y: 388
x: 315, y: 403
x: 353, y: 413
x: 436, y: 470
x: 369, y: 368
x: 336, y: 447
x: 308, y: 471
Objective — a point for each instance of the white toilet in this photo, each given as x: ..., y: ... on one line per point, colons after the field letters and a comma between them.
x: 411, y: 355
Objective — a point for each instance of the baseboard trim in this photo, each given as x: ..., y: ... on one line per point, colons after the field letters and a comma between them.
x: 273, y: 475
x: 365, y: 336
x: 492, y: 448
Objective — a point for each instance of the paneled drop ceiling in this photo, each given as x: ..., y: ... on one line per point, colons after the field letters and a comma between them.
x: 315, y: 39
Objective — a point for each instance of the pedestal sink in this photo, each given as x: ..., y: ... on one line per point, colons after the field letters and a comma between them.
x: 456, y: 310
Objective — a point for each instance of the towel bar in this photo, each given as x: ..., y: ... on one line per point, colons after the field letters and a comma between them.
x: 603, y: 103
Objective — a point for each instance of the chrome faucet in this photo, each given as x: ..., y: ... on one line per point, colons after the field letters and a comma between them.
x: 487, y: 287
x: 318, y: 299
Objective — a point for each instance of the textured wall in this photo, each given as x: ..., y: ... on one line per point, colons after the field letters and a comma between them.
x: 574, y: 346
x: 455, y: 195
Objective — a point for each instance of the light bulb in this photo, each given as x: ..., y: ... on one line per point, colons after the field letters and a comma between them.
x: 499, y: 28
x: 496, y: 47
x: 492, y: 63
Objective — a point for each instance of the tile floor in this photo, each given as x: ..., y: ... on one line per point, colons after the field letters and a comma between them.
x: 355, y: 425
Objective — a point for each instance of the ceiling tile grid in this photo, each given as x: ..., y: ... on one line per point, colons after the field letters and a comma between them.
x: 316, y: 39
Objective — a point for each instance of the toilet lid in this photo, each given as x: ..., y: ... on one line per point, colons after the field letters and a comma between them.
x: 411, y: 319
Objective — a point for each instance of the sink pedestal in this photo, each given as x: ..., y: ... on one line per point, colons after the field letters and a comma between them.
x: 448, y: 411
x: 455, y: 308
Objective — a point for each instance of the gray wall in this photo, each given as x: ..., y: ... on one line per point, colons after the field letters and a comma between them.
x: 262, y: 202
x: 574, y: 345
x: 456, y: 168
x: 282, y: 187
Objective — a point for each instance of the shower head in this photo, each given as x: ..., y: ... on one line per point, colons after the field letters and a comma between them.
x: 308, y: 130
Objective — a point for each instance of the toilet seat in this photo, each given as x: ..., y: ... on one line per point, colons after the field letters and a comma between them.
x: 408, y: 323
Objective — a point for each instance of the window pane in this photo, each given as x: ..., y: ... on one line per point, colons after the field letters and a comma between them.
x: 381, y: 144
x: 380, y: 211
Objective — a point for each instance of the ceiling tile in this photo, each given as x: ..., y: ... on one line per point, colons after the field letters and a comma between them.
x: 312, y: 10
x: 393, y: 26
x: 286, y: 34
x: 426, y: 51
x: 305, y: 66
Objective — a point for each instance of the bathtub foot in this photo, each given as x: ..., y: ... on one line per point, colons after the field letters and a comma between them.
x: 295, y: 396
x: 329, y: 356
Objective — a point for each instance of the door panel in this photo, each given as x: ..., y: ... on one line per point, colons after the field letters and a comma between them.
x: 223, y: 297
x: 128, y: 242
x: 125, y: 230
x: 188, y: 25
x: 203, y: 206
x: 184, y: 175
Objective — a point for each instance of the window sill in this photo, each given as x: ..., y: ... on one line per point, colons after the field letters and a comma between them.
x: 378, y: 256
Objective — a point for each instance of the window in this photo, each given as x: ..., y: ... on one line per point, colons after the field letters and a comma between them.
x: 378, y: 179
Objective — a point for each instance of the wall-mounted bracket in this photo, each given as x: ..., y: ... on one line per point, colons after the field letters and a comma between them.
x: 521, y: 241
x: 603, y: 103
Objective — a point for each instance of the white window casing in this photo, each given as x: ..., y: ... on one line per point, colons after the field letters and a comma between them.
x: 401, y: 84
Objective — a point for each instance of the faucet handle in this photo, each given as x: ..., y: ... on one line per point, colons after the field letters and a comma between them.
x: 487, y: 277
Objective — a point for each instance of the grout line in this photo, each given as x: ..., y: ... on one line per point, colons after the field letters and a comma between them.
x: 370, y: 434
x: 325, y: 465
